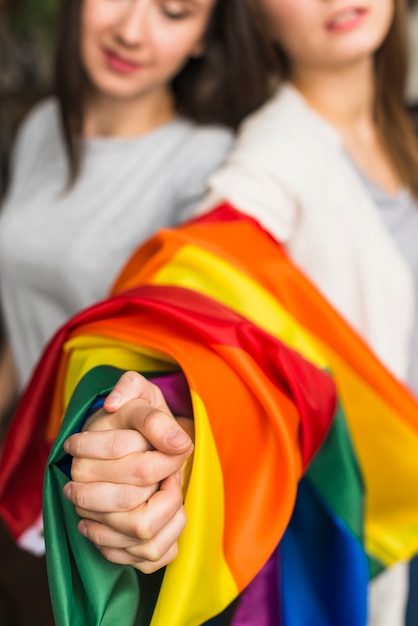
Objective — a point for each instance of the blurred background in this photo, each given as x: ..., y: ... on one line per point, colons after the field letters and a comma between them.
x: 412, y: 91
x: 26, y: 43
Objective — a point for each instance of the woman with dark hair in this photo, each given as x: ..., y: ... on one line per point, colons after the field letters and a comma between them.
x: 144, y: 93
x: 231, y: 60
x: 147, y: 94
x: 329, y: 167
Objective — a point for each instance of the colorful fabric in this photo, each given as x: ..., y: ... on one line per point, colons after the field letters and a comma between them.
x: 219, y: 299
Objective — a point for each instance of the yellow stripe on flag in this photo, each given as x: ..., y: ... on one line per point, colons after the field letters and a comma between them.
x: 209, y: 586
x: 221, y: 281
x: 89, y: 351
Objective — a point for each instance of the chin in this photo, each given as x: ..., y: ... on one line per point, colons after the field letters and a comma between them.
x: 109, y: 89
x: 359, y: 52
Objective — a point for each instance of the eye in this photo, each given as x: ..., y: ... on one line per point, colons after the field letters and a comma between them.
x: 175, y: 9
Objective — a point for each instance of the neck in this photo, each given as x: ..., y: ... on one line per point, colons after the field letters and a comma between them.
x: 117, y: 117
x: 344, y: 97
x: 346, y: 100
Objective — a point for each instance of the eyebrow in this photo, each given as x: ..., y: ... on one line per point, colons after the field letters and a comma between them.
x: 193, y: 4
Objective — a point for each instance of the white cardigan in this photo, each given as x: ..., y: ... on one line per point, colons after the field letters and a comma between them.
x: 289, y: 169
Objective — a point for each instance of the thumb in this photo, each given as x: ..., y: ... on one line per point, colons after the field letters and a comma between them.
x: 131, y: 386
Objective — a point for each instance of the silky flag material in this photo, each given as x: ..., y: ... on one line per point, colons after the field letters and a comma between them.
x: 264, y: 355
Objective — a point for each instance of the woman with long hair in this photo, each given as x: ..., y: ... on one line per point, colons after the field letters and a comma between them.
x: 329, y: 167
x: 88, y: 183
x: 146, y: 97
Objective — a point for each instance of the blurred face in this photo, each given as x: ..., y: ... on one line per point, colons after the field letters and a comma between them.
x: 133, y: 47
x: 328, y: 33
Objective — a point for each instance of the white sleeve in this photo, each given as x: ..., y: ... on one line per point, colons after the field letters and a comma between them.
x: 255, y: 189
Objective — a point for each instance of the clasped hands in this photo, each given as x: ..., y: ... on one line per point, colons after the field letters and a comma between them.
x: 127, y: 475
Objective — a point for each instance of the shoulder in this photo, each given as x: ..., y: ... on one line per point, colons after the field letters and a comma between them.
x: 204, y: 149
x: 212, y: 135
x: 277, y: 164
x: 287, y: 136
x: 37, y: 135
x: 39, y: 119
x: 206, y: 141
x: 286, y: 112
x: 39, y: 127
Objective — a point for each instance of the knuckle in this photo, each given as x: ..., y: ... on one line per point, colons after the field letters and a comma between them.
x: 75, y: 469
x: 75, y: 444
x: 118, y: 443
x: 80, y: 496
x: 94, y: 536
x: 131, y: 378
x: 141, y: 528
x: 151, y: 419
x: 147, y: 567
x: 142, y: 470
x: 108, y: 553
x: 182, y: 519
x: 152, y: 552
x: 177, y: 498
x: 173, y: 552
x: 128, y: 497
x: 158, y: 397
x: 79, y: 470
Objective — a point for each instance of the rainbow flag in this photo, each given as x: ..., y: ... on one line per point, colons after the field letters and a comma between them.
x: 284, y: 467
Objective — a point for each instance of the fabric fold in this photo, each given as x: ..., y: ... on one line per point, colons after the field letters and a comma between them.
x: 295, y: 420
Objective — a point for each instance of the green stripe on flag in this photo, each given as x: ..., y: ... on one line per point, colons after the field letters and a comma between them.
x: 335, y: 475
x: 85, y: 587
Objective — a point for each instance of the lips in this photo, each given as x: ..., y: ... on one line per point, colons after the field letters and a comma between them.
x: 346, y: 19
x: 119, y: 64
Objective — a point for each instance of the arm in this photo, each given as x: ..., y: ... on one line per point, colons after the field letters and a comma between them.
x: 126, y: 482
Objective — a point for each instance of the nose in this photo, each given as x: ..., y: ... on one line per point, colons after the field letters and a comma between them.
x: 132, y: 26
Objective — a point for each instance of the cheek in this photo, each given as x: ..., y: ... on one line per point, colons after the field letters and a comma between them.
x: 96, y: 17
x: 290, y: 25
x: 88, y: 18
x: 89, y: 28
x: 294, y: 33
x: 174, y: 49
x: 386, y: 14
x: 284, y: 16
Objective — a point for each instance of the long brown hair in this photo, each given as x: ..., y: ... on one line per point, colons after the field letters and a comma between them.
x: 230, y: 80
x: 393, y: 121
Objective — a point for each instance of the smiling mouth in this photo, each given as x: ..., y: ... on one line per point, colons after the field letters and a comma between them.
x: 119, y: 64
x: 346, y: 20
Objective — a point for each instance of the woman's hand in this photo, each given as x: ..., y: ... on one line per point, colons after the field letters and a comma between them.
x: 126, y: 473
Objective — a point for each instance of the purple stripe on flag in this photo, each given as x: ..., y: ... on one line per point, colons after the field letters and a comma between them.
x: 259, y: 603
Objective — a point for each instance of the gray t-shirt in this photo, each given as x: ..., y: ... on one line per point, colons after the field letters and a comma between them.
x: 60, y: 252
x: 400, y: 215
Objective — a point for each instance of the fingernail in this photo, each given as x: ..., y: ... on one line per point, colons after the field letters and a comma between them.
x: 66, y: 446
x: 67, y: 490
x: 82, y: 529
x: 177, y: 438
x: 114, y: 398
